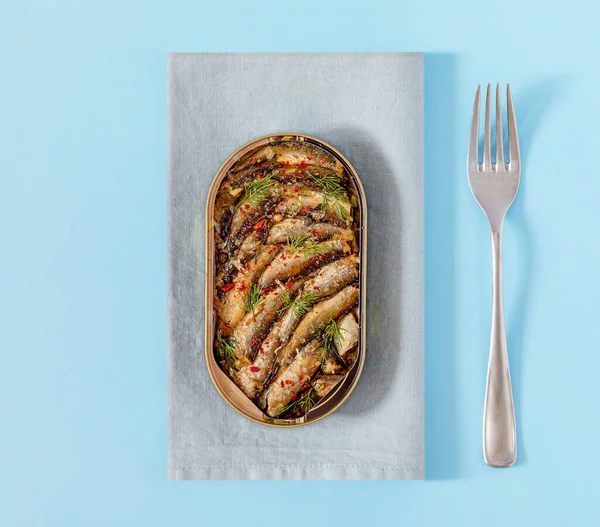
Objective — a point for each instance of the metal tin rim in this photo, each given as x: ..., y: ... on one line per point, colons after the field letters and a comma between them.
x: 208, y: 301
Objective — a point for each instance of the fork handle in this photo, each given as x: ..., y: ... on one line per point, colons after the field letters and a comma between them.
x: 499, y: 429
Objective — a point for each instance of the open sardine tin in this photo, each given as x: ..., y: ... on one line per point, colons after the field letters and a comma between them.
x: 225, y: 386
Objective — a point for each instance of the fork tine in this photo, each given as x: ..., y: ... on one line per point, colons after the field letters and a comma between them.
x: 487, y: 134
x: 499, y: 145
x: 513, y: 138
x: 473, y: 155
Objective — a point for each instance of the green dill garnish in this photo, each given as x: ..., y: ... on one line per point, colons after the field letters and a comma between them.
x: 226, y: 351
x: 341, y: 211
x: 331, y: 333
x: 300, y: 243
x: 256, y: 191
x: 287, y: 300
x: 331, y: 185
x: 253, y: 299
x: 287, y: 408
x: 334, y: 191
x: 315, y: 333
x: 325, y: 203
x: 301, y: 304
x: 295, y: 242
x: 307, y: 401
x: 312, y: 249
x: 323, y: 355
x: 304, y: 403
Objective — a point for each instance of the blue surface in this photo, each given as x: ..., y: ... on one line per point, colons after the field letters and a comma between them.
x: 83, y: 262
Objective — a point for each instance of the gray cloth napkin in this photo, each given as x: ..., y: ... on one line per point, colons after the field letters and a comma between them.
x: 370, y: 107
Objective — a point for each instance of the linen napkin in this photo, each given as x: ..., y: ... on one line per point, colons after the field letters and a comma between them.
x: 370, y: 107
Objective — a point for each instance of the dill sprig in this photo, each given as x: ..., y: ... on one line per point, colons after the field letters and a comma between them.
x: 331, y: 333
x: 333, y: 191
x: 304, y: 403
x: 314, y: 248
x: 288, y: 300
x: 253, y: 299
x: 226, y: 351
x: 301, y: 304
x: 297, y: 241
x: 307, y: 401
x: 337, y: 205
x: 340, y: 210
x: 256, y: 191
x: 300, y: 242
x: 331, y: 185
x: 323, y: 355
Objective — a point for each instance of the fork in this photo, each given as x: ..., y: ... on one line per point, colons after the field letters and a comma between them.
x: 494, y: 187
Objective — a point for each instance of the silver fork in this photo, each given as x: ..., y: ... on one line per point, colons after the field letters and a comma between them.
x: 495, y: 186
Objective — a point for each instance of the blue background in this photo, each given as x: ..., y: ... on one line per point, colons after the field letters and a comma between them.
x: 83, y: 262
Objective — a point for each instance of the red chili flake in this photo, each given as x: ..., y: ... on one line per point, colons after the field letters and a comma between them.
x: 297, y: 256
x: 266, y: 291
x: 228, y: 287
x: 288, y: 285
x: 322, y: 162
x: 294, y: 396
x: 259, y: 225
x: 254, y: 369
x: 285, y: 190
x: 296, y: 188
x: 303, y: 165
x: 282, y: 385
x: 254, y: 160
x: 261, y: 176
x: 262, y: 351
x: 254, y: 341
x: 309, y: 158
x: 305, y: 385
x: 291, y: 383
x: 243, y: 287
x: 246, y: 206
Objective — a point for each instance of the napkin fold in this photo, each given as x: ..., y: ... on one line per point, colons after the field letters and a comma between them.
x: 370, y: 107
